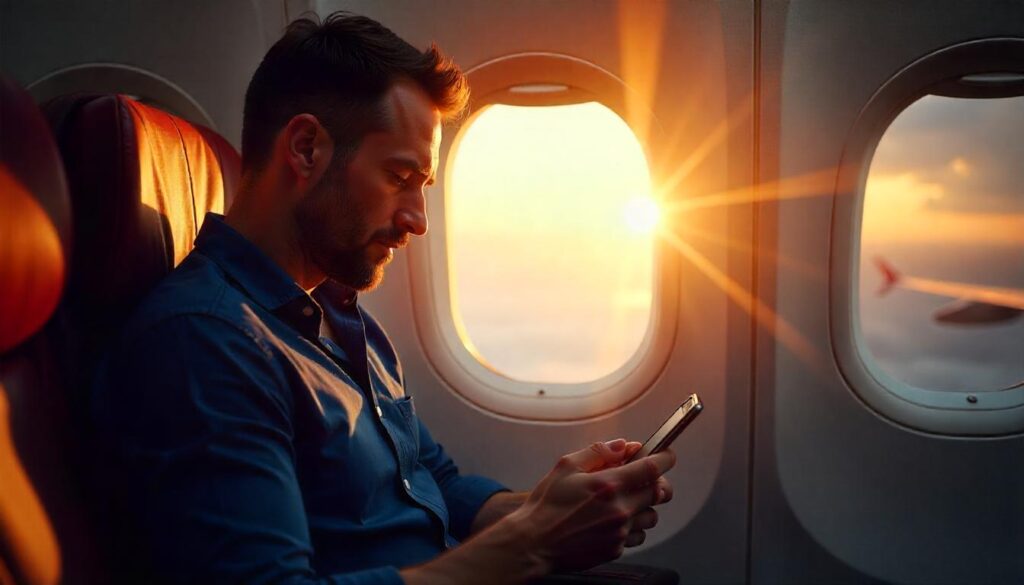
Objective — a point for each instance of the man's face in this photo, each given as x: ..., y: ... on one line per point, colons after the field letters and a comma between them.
x: 360, y: 212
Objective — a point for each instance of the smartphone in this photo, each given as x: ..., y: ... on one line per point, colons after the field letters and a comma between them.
x: 671, y: 428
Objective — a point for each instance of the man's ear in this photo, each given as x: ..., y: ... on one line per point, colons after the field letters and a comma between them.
x: 308, y: 148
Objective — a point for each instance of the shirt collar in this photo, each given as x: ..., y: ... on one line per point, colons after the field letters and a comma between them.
x: 266, y: 282
x: 334, y: 294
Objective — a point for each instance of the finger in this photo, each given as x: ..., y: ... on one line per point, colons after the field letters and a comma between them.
x: 640, y: 499
x: 645, y: 520
x: 632, y: 448
x: 597, y: 456
x: 665, y: 491
x: 642, y: 472
x: 636, y: 538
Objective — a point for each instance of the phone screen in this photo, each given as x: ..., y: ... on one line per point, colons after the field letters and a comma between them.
x: 671, y: 428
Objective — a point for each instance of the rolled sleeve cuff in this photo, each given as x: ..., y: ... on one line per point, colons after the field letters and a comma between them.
x: 464, y: 498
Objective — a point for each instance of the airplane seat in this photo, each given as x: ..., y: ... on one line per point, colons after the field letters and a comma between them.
x: 135, y: 186
x: 140, y: 183
x: 44, y: 531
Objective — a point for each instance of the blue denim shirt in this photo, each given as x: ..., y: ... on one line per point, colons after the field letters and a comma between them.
x: 238, y: 445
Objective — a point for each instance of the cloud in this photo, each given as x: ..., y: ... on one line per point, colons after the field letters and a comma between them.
x: 960, y: 167
x: 973, y: 148
x: 908, y: 208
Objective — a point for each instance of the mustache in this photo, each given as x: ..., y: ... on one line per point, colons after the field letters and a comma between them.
x: 393, y: 238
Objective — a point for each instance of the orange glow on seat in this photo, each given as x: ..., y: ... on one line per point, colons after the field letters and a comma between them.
x: 32, y: 263
x: 163, y: 171
x: 22, y: 518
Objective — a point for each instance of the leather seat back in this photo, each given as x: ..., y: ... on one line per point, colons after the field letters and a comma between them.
x: 140, y: 183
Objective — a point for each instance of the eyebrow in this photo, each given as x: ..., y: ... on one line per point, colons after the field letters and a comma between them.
x: 414, y: 166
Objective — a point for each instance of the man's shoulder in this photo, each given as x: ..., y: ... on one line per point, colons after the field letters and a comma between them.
x: 197, y: 290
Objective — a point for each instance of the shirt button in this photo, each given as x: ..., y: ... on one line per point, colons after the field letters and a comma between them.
x: 405, y: 482
x: 380, y: 412
x: 307, y: 311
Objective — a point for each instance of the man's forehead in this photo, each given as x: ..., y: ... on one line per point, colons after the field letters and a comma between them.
x: 414, y: 121
x: 410, y: 109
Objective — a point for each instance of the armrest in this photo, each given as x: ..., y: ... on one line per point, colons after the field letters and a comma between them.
x: 613, y: 574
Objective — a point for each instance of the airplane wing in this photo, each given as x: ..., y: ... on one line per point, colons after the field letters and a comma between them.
x: 975, y: 304
x: 969, y: 312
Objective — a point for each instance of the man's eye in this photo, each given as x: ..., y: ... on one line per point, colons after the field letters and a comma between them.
x: 399, y: 179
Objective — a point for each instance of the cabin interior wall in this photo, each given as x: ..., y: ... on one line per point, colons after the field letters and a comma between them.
x: 207, y: 49
x: 843, y: 495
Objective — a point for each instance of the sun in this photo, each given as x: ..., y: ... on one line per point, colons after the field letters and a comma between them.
x: 641, y: 215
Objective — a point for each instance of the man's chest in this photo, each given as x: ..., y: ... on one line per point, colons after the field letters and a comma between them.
x: 356, y: 442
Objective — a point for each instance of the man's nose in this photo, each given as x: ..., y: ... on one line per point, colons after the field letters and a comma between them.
x: 412, y: 217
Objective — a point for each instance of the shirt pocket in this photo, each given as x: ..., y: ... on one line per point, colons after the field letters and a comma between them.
x: 400, y: 418
x: 407, y: 409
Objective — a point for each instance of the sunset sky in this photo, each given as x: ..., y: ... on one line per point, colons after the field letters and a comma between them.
x: 949, y: 170
x: 550, y: 235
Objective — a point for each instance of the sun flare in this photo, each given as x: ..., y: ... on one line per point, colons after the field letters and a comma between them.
x: 641, y: 214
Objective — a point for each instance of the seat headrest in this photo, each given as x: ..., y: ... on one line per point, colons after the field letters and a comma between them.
x: 141, y: 182
x: 35, y: 223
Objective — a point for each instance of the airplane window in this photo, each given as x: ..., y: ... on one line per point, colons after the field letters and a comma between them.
x: 942, y: 246
x: 550, y: 231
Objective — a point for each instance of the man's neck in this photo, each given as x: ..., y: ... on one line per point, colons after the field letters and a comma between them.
x: 272, y: 231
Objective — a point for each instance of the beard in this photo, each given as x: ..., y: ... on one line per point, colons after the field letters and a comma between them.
x: 334, y: 236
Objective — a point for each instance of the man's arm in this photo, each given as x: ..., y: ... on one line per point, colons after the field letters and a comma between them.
x: 464, y: 495
x: 578, y: 516
x: 194, y: 420
x: 497, y: 507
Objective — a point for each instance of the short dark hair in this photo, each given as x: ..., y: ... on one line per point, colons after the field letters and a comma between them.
x: 339, y: 70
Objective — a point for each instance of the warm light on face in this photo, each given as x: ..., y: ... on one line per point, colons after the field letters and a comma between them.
x: 550, y: 233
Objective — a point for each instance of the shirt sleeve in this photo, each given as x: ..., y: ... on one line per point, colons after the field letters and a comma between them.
x: 194, y: 440
x: 463, y: 494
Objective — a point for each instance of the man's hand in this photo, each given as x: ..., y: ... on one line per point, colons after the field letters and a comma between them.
x: 592, y: 505
x: 502, y: 504
x: 584, y: 512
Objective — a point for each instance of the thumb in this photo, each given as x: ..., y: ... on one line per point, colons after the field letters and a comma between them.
x: 597, y: 456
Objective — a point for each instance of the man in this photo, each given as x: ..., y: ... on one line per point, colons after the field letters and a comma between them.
x: 255, y: 433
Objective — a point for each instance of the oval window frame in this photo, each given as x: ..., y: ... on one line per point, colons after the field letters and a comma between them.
x: 537, y: 79
x: 949, y: 413
x: 137, y: 83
